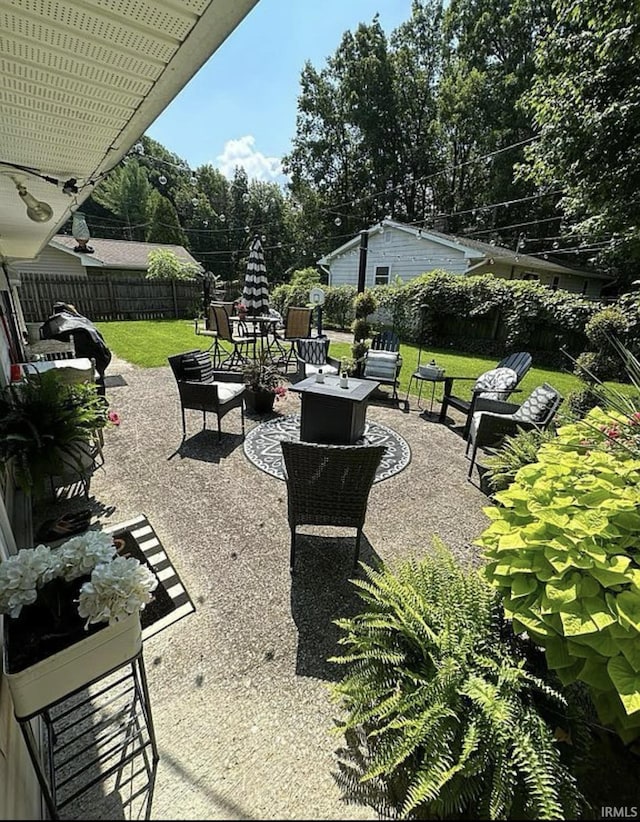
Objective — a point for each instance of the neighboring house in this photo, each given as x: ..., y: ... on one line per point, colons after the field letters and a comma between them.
x: 396, y: 250
x: 113, y: 258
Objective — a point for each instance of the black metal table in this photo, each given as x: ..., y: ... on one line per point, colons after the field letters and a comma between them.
x: 422, y: 378
x: 331, y: 414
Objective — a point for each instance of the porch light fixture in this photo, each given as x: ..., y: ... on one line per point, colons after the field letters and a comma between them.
x: 37, y: 210
x: 80, y: 231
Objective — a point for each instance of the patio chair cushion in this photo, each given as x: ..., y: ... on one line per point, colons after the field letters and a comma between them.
x: 228, y: 390
x: 382, y: 364
x: 538, y: 404
x: 475, y: 421
x: 495, y: 384
x: 313, y: 352
x: 196, y: 366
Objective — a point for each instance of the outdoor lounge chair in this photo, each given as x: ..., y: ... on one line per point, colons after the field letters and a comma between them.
x: 493, y: 420
x: 313, y: 355
x: 201, y: 388
x: 497, y: 386
x: 383, y: 362
x: 242, y: 344
x: 329, y: 485
x: 297, y: 327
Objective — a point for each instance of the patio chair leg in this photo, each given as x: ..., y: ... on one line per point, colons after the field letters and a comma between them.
x: 292, y: 551
x: 357, y: 557
x: 184, y: 424
x: 473, y: 458
x: 219, y: 431
x: 242, y: 418
x: 204, y: 420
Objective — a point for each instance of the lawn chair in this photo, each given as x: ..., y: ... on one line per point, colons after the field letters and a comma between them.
x: 201, y: 388
x: 493, y: 420
x: 383, y: 362
x: 497, y: 386
x: 313, y: 355
x: 243, y: 344
x: 329, y: 485
x: 297, y: 327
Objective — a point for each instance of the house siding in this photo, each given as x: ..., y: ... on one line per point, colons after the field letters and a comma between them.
x: 566, y: 282
x: 406, y: 256
x: 51, y: 261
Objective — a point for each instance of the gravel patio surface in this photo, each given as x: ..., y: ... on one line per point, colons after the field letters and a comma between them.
x: 240, y: 688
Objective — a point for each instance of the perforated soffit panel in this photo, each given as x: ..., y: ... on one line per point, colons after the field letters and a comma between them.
x: 81, y: 81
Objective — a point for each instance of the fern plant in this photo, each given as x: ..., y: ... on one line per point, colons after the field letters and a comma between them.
x: 453, y: 721
x: 518, y: 450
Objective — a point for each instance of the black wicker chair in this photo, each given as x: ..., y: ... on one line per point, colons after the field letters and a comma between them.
x: 203, y: 389
x: 520, y: 362
x: 493, y: 420
x: 329, y: 485
x: 311, y: 355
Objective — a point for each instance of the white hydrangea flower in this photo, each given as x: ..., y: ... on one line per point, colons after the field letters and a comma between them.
x: 80, y: 555
x: 21, y: 575
x: 116, y: 590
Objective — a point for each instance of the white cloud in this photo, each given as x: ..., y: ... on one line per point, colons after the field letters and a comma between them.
x: 243, y: 153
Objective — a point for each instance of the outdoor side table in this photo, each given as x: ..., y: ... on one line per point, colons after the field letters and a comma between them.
x: 422, y: 378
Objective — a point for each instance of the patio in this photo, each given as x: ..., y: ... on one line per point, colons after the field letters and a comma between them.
x: 239, y: 688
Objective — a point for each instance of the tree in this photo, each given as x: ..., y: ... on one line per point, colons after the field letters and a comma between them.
x: 125, y: 192
x: 164, y: 225
x: 165, y: 265
x: 585, y: 103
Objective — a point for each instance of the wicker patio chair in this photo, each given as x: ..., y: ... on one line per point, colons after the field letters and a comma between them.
x: 329, y: 485
x: 493, y: 420
x: 312, y: 355
x: 201, y: 388
x: 519, y: 363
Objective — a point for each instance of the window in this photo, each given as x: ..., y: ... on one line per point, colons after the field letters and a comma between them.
x: 382, y: 275
x: 585, y: 285
x: 530, y: 276
x: 555, y: 284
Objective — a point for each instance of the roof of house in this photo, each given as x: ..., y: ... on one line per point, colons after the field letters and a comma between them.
x: 118, y: 253
x: 475, y: 251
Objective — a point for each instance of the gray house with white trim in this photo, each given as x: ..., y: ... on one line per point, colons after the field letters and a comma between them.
x: 397, y: 251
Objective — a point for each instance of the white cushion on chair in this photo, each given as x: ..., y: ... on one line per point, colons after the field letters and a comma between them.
x: 497, y: 383
x: 228, y: 390
x: 381, y: 364
x: 475, y: 421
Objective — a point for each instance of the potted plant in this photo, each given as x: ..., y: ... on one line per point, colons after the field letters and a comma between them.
x: 49, y: 429
x: 72, y: 614
x: 264, y: 384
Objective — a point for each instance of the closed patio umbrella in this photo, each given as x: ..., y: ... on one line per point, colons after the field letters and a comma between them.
x: 255, y: 294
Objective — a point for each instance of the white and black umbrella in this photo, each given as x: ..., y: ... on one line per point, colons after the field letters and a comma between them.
x: 255, y: 294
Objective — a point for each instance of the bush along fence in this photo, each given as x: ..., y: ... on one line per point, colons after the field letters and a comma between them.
x: 482, y: 314
x: 111, y: 298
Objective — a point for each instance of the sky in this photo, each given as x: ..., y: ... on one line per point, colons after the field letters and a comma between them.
x: 240, y: 108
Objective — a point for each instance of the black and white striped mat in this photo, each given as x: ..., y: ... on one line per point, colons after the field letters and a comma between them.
x: 142, y: 531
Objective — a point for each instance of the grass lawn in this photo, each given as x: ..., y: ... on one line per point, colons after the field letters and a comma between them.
x: 148, y: 343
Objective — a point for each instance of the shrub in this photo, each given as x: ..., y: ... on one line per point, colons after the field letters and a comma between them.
x: 581, y: 401
x: 451, y: 711
x: 338, y: 305
x: 563, y: 552
x: 516, y: 451
x: 364, y: 303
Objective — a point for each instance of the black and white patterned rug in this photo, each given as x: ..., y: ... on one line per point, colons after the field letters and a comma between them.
x: 262, y: 445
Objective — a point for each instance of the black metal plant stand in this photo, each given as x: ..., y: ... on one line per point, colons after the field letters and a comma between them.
x: 83, y: 746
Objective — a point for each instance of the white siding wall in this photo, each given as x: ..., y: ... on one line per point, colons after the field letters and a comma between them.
x: 52, y: 261
x: 405, y: 255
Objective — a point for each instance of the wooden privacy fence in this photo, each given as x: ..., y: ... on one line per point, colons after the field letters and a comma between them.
x: 105, y: 298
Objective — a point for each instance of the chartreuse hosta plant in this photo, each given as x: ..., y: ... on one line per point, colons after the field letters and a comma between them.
x: 563, y: 549
x: 453, y: 713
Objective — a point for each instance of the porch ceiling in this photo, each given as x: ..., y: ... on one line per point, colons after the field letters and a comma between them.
x: 80, y: 82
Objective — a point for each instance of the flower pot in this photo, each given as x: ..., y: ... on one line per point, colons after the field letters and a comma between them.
x: 76, y: 665
x: 259, y: 402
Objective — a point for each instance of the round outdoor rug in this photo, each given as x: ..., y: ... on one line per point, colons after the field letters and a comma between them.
x: 262, y: 446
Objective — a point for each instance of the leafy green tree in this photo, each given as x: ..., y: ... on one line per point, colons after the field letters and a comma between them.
x: 164, y: 225
x: 165, y: 265
x: 125, y: 192
x: 584, y: 102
